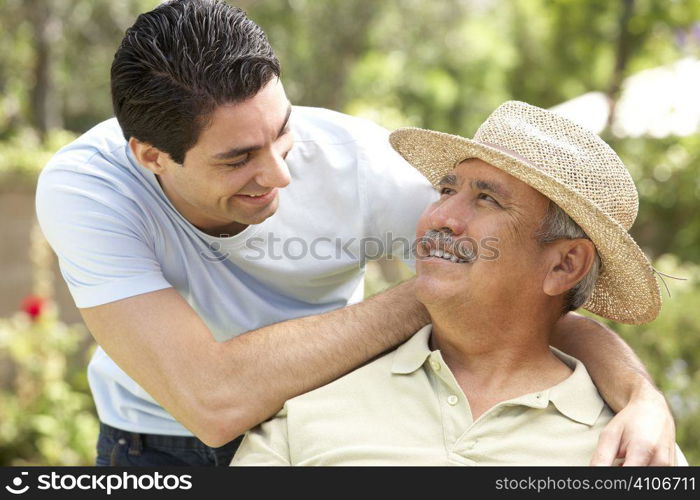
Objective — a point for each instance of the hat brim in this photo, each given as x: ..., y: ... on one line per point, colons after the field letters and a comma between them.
x: 626, y: 289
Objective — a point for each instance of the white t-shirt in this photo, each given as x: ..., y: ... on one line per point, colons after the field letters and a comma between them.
x: 117, y: 235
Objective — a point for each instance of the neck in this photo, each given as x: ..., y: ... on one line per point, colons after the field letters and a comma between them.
x: 479, y: 345
x: 213, y: 229
x: 475, y: 327
x: 497, y: 355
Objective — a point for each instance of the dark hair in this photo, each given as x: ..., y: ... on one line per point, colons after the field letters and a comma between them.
x: 180, y: 61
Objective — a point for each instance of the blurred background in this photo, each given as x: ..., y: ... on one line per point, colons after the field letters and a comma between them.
x: 628, y: 69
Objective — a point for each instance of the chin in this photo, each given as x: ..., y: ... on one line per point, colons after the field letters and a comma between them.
x: 430, y: 290
x: 436, y: 288
x: 257, y: 217
x: 266, y: 212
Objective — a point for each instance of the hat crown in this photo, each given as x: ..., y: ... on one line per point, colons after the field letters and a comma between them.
x: 567, y: 152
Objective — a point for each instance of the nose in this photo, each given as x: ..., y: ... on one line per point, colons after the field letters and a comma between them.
x: 274, y: 173
x: 445, y: 216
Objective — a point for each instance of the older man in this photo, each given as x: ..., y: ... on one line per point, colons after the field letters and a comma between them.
x: 481, y: 385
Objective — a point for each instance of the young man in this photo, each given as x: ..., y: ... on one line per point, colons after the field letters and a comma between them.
x: 480, y: 385
x: 180, y: 228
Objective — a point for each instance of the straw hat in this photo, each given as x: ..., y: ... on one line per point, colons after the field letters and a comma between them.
x: 574, y: 168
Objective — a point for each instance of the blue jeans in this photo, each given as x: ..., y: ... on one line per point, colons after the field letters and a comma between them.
x: 121, y: 448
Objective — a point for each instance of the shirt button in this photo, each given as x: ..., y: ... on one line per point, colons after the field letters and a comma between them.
x: 435, y: 365
x: 452, y: 399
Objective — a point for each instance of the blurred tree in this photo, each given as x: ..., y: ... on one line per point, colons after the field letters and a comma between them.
x: 318, y: 44
x: 47, y: 31
x: 666, y: 171
x: 55, y: 58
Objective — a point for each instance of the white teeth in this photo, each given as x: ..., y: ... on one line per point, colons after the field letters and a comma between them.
x: 445, y: 255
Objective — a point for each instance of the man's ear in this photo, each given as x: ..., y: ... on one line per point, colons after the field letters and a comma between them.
x: 569, y: 262
x: 149, y: 156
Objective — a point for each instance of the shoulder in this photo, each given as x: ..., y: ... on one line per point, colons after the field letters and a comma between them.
x: 105, y: 140
x: 347, y: 390
x: 325, y: 127
x: 101, y: 152
x: 382, y: 377
x: 94, y: 167
x: 373, y: 391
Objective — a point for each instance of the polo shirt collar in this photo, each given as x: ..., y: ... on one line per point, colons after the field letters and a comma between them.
x: 576, y: 397
x: 411, y: 355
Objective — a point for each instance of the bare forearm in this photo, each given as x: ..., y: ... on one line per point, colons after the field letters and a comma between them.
x: 614, y: 367
x: 261, y: 369
x: 219, y: 390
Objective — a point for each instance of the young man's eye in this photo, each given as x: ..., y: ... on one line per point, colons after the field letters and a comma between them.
x: 239, y: 163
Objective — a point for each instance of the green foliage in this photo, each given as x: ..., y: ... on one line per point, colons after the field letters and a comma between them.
x: 666, y: 174
x: 81, y: 37
x: 670, y: 349
x: 446, y: 65
x: 24, y: 154
x: 48, y: 417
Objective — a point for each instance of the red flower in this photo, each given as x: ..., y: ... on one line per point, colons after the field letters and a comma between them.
x: 33, y: 306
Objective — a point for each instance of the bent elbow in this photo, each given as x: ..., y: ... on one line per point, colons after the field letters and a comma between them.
x: 222, y: 418
x: 215, y: 440
x: 220, y: 429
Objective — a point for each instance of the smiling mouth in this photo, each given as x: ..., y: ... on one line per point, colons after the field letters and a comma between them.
x: 445, y: 255
x: 256, y: 195
x: 441, y: 245
x: 258, y: 199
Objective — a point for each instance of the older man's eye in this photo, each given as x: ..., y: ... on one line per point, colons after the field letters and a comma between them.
x: 446, y: 190
x: 489, y: 198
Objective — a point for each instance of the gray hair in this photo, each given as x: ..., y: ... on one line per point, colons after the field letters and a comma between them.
x: 557, y: 225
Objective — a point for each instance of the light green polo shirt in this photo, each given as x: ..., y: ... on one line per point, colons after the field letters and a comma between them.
x: 406, y: 408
